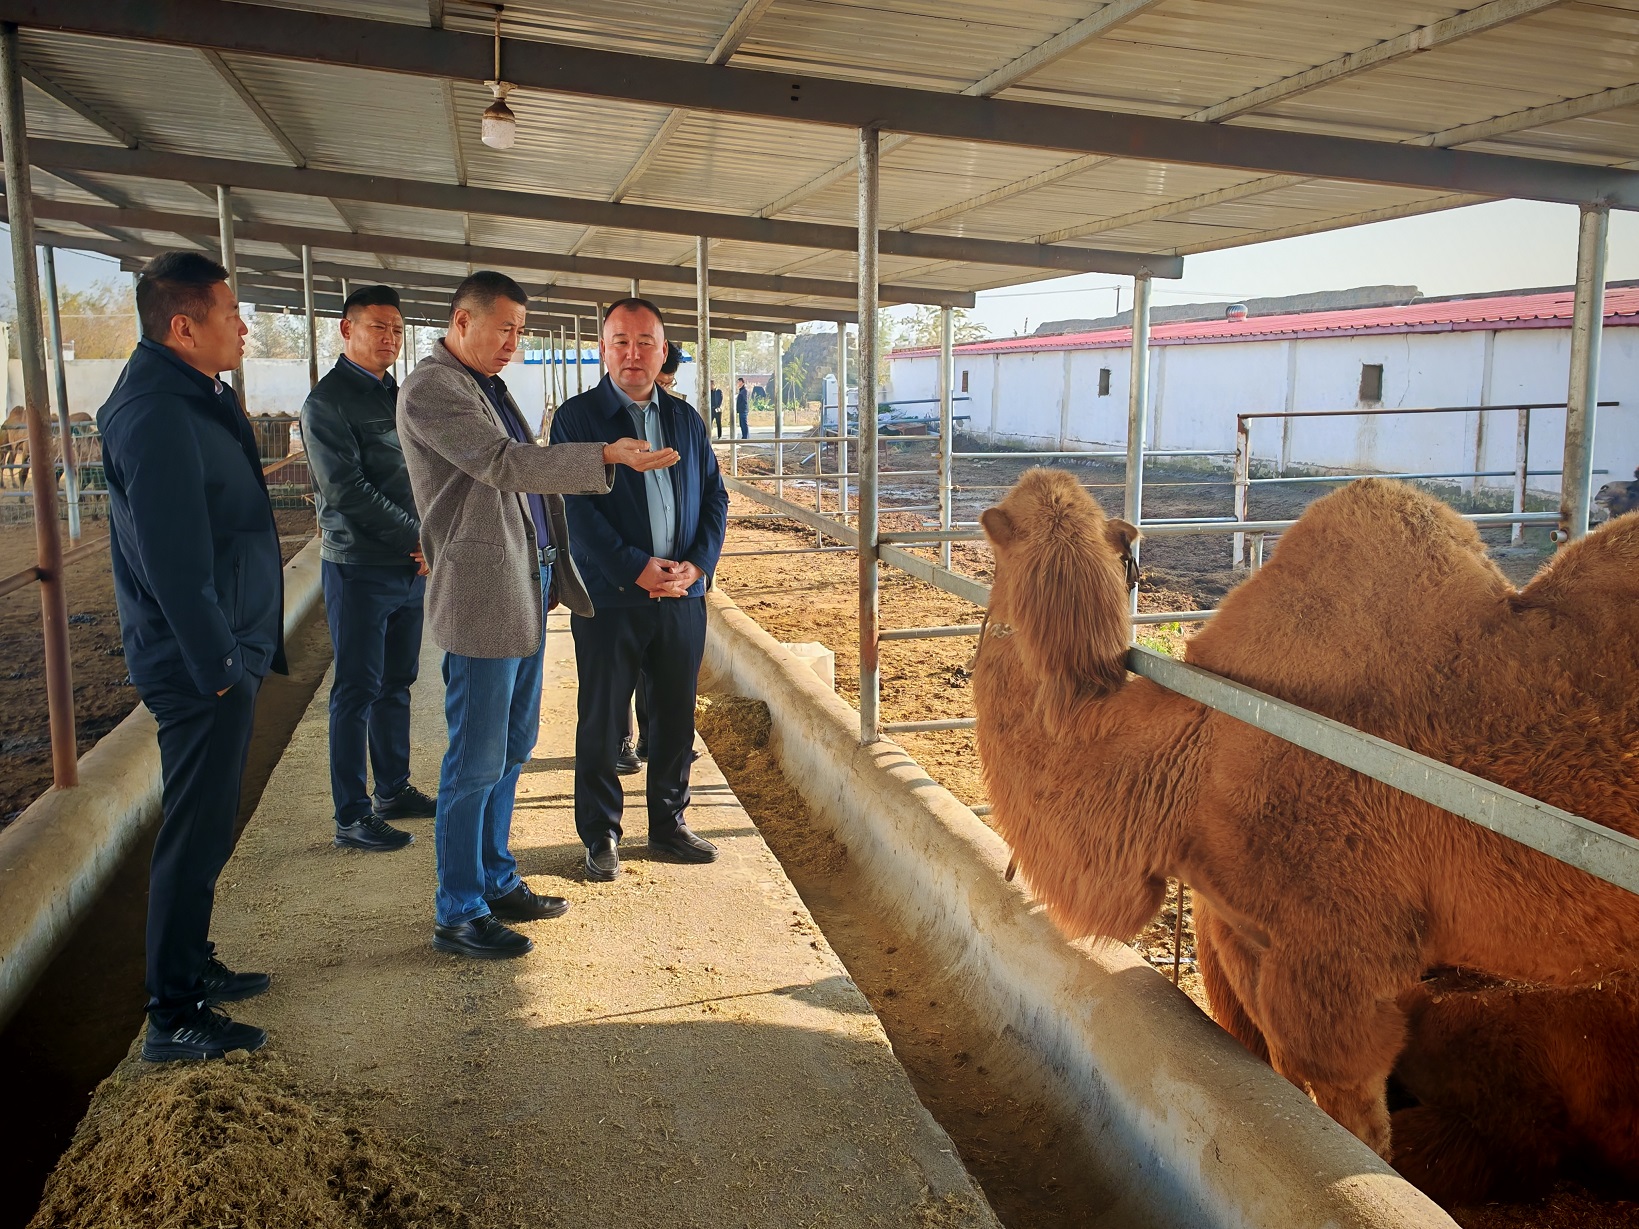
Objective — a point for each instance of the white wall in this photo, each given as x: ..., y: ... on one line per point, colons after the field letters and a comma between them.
x: 1046, y: 400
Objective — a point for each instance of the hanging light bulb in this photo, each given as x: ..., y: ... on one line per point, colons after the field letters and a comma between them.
x: 499, y: 127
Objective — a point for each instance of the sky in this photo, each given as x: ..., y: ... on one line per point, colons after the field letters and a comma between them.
x: 1505, y: 245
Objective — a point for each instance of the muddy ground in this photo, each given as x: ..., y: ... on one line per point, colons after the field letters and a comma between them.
x: 103, y: 695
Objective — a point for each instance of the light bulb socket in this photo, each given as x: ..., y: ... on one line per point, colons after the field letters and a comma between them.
x: 499, y: 127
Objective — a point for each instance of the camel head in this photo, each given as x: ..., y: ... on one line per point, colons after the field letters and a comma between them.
x: 1619, y: 498
x: 1063, y: 573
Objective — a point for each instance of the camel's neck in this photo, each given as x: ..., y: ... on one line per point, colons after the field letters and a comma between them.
x: 1098, y: 813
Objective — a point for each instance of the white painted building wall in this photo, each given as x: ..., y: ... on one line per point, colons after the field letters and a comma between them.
x: 1047, y: 399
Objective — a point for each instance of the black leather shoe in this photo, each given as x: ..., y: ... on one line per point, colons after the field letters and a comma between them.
x: 628, y: 761
x: 643, y: 749
x: 223, y: 985
x: 202, y: 1033
x: 483, y: 938
x: 684, y: 846
x: 522, y: 905
x: 602, y: 861
x: 408, y: 803
x: 372, y: 833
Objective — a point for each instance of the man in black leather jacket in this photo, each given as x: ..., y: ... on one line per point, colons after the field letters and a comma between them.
x: 373, y: 573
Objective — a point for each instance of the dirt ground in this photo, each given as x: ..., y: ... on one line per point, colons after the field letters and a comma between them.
x: 813, y: 597
x: 103, y: 696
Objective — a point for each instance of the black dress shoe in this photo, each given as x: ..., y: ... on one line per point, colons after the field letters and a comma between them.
x: 223, y: 985
x: 684, y: 846
x: 642, y: 749
x: 628, y: 761
x: 372, y: 833
x: 522, y: 905
x: 484, y: 938
x: 201, y: 1033
x: 602, y: 861
x: 408, y: 803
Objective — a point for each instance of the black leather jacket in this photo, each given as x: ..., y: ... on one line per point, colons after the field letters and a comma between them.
x: 366, y: 509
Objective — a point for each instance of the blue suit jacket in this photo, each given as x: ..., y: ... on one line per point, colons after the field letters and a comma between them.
x: 609, y: 534
x: 197, y: 572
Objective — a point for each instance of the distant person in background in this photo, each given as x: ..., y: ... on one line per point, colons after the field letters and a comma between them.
x: 200, y: 586
x: 742, y: 407
x: 716, y: 410
x: 645, y: 548
x: 372, y: 566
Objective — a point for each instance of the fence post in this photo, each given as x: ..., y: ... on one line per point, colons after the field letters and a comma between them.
x: 224, y: 221
x: 702, y: 325
x: 1582, y: 396
x: 71, y: 465
x: 947, y: 422
x: 1243, y: 471
x: 1522, y: 457
x: 870, y: 673
x: 842, y: 421
x: 1138, y: 406
x: 779, y: 419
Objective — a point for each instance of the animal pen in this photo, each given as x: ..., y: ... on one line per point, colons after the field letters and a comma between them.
x: 297, y: 213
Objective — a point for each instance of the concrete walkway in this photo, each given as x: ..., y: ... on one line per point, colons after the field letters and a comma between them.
x: 683, y: 1048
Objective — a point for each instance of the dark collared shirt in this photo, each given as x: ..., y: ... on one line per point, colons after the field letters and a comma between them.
x: 495, y: 389
x: 385, y: 379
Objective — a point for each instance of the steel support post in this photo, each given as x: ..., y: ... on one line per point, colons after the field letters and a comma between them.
x: 580, y: 378
x: 779, y: 417
x: 1522, y: 457
x: 947, y: 359
x: 599, y: 343
x: 636, y: 291
x: 563, y: 364
x: 312, y: 322
x: 71, y: 471
x: 136, y: 315
x: 1582, y: 396
x: 842, y: 418
x: 30, y: 346
x: 731, y: 403
x: 702, y: 325
x: 870, y: 673
x: 224, y: 221
x: 1138, y: 412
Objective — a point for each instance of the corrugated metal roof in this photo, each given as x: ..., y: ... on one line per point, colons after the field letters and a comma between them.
x: 1174, y: 58
x: 1551, y: 309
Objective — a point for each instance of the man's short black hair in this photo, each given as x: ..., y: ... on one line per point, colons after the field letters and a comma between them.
x: 674, y: 359
x: 175, y: 284
x: 741, y: 380
x: 632, y: 303
x: 478, y: 292
x: 370, y: 296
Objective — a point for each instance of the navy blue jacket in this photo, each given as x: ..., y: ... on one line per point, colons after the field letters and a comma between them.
x: 609, y: 534
x: 195, y: 550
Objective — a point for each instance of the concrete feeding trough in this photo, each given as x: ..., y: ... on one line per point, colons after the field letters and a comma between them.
x: 1189, y: 1128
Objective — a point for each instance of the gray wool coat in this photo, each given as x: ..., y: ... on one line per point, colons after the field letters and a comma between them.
x: 469, y: 478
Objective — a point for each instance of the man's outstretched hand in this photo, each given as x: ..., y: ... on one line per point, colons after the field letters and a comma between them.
x: 637, y: 455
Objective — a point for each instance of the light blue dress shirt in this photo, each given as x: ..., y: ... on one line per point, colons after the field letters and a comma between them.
x: 657, y: 483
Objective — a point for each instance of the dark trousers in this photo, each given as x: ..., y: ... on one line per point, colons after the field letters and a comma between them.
x: 203, y: 743
x: 375, y: 618
x: 665, y: 640
x: 745, y: 424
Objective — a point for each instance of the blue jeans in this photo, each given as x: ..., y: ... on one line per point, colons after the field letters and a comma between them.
x: 374, y: 612
x: 492, y: 706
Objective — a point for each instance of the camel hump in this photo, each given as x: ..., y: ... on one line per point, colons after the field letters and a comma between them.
x: 1594, y: 577
x: 1373, y: 579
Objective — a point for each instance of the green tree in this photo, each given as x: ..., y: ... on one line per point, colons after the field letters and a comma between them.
x: 921, y: 327
x: 99, y: 322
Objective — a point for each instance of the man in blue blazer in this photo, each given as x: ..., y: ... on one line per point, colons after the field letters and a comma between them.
x: 646, y: 550
x: 200, y: 588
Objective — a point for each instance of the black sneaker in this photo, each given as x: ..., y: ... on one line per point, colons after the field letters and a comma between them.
x: 203, y: 1033
x: 408, y: 803
x: 628, y: 761
x: 372, y: 833
x: 223, y: 985
x: 483, y: 937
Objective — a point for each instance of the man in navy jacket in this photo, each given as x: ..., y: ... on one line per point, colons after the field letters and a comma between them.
x: 645, y: 549
x: 200, y: 588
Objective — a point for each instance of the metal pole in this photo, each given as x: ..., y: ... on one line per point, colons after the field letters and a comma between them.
x: 1138, y: 411
x: 1587, y: 325
x: 636, y: 292
x: 730, y: 402
x: 30, y: 346
x: 312, y: 321
x: 600, y: 343
x: 135, y: 278
x: 71, y: 469
x: 779, y: 418
x: 580, y: 377
x: 1522, y: 455
x: 702, y: 307
x: 870, y: 673
x: 947, y: 373
x: 563, y: 364
x: 1243, y: 472
x: 842, y: 418
x: 224, y: 221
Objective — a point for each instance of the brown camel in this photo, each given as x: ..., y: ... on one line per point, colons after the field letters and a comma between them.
x: 1336, y: 894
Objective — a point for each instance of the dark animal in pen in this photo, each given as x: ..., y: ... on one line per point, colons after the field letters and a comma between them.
x: 1619, y: 498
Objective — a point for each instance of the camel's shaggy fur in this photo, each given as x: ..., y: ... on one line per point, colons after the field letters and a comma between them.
x: 1517, y: 1086
x: 1335, y: 893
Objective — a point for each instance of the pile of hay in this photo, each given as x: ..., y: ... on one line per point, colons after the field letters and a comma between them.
x: 234, y: 1145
